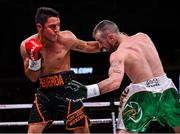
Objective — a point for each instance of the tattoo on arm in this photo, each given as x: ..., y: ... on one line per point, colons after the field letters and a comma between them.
x: 116, y: 70
x: 116, y: 66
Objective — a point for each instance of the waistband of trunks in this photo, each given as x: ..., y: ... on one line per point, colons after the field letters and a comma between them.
x: 56, y: 79
x: 156, y: 81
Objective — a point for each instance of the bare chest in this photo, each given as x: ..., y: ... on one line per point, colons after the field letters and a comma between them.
x: 55, y: 59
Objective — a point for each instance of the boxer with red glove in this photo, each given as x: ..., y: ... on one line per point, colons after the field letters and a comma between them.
x: 33, y: 48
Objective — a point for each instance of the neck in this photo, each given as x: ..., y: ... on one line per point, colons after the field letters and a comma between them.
x: 44, y: 41
x: 39, y: 37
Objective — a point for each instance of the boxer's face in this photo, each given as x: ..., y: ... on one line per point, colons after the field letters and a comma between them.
x: 51, y: 29
x: 105, y: 41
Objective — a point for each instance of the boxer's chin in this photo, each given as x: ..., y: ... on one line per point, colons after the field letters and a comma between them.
x: 54, y: 39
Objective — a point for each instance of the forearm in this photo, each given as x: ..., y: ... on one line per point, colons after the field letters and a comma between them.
x: 102, y: 87
x: 32, y: 75
x: 93, y: 47
x: 78, y: 91
x: 107, y: 85
x: 30, y: 51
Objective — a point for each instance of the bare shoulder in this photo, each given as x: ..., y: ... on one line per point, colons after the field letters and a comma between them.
x: 120, y: 53
x: 67, y: 34
x: 67, y: 38
x: 30, y: 37
x: 142, y: 35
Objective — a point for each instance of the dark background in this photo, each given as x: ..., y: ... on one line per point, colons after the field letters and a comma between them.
x: 158, y: 19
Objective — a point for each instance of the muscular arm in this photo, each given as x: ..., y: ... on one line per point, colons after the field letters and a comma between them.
x: 116, y: 74
x: 86, y: 46
x: 32, y: 75
x: 81, y: 45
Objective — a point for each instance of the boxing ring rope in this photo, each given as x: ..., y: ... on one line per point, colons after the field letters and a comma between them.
x: 23, y: 123
x: 86, y: 104
x: 112, y: 120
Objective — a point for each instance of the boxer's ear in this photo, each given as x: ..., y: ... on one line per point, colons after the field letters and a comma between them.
x: 110, y: 37
x: 39, y: 27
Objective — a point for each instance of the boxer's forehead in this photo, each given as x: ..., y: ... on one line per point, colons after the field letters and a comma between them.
x: 53, y: 20
x: 98, y: 35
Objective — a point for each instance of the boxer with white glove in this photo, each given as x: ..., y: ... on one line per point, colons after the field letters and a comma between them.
x: 33, y: 48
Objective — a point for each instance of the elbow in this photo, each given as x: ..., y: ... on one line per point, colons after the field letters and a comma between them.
x: 116, y: 84
x: 31, y: 78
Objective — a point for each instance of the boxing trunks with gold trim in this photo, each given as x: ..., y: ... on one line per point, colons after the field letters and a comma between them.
x: 50, y: 102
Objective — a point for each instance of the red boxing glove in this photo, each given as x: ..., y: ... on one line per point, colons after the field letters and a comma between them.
x: 33, y: 47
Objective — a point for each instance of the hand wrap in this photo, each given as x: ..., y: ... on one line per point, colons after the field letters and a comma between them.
x: 78, y: 91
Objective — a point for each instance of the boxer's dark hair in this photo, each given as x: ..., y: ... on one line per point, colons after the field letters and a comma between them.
x: 104, y: 26
x: 43, y: 13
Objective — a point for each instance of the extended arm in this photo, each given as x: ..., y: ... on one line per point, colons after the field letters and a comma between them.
x: 80, y: 45
x: 116, y: 74
x: 86, y: 46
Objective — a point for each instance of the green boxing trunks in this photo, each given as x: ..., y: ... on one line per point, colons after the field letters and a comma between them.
x: 154, y: 99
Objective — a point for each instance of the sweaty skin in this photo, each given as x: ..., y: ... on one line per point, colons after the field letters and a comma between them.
x: 135, y: 55
x: 56, y: 49
x: 55, y: 56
